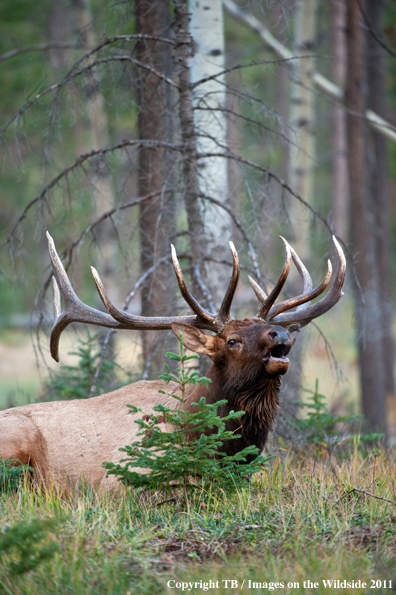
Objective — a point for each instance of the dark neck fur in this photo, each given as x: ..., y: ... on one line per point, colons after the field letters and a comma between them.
x: 259, y: 398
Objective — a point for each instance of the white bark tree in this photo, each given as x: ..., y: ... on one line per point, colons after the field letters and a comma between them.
x: 302, y: 119
x: 209, y: 98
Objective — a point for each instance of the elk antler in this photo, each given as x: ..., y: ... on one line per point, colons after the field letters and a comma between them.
x: 305, y: 311
x: 77, y: 311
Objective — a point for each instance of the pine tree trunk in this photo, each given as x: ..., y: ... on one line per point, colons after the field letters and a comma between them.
x: 378, y: 170
x: 155, y: 174
x: 340, y: 168
x: 362, y: 238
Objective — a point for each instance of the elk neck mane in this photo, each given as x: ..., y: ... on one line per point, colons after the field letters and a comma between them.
x: 257, y: 397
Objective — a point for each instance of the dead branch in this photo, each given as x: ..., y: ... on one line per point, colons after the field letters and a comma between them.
x: 246, y: 65
x: 78, y: 163
x: 372, y: 32
x: 72, y: 75
x: 366, y: 494
x: 239, y: 226
x: 59, y: 45
x: 279, y: 180
x: 123, y: 58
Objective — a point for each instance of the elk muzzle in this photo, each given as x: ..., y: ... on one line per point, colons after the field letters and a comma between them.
x: 279, y: 343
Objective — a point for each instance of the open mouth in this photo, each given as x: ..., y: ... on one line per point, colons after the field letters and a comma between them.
x: 280, y: 352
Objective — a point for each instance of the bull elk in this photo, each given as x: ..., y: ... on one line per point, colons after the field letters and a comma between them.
x: 67, y: 440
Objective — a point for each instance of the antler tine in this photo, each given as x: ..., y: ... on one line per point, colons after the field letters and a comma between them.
x: 307, y: 286
x: 57, y: 299
x: 266, y: 306
x: 75, y: 309
x: 307, y: 281
x: 303, y: 298
x: 260, y: 293
x: 190, y: 299
x: 305, y: 315
x: 225, y: 307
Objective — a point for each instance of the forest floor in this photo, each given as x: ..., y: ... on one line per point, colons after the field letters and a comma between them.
x: 307, y: 518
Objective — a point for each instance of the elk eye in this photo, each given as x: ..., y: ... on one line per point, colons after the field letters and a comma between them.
x: 232, y: 342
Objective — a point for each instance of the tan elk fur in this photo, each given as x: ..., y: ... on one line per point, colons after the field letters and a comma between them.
x: 67, y: 441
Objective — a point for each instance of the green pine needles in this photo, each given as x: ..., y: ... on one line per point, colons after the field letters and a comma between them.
x: 188, y: 455
x: 322, y: 427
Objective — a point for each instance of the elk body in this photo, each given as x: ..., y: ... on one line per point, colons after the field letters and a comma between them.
x: 67, y: 441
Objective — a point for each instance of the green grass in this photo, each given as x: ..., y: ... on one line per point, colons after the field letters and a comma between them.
x: 297, y: 521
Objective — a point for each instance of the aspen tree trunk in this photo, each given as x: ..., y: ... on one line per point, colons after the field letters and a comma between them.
x: 378, y: 173
x: 367, y: 303
x: 302, y: 118
x: 207, y: 30
x: 183, y: 58
x: 155, y: 174
x: 340, y: 166
x: 301, y: 171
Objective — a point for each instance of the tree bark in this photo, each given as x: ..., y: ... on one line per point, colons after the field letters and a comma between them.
x: 340, y: 167
x: 209, y: 98
x: 302, y: 118
x: 155, y: 174
x: 378, y: 170
x: 301, y: 170
x: 183, y: 58
x: 367, y: 304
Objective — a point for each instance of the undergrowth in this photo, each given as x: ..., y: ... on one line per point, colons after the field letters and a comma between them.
x: 94, y: 373
x: 323, y: 429
x: 299, y: 519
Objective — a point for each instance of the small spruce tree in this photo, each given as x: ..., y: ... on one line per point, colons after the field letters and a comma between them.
x: 189, y: 455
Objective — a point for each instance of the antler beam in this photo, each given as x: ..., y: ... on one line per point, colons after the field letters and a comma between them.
x: 77, y: 311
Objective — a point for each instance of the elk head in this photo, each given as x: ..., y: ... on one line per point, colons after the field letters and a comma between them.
x: 255, y: 347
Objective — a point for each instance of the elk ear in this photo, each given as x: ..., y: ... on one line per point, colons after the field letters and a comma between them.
x: 197, y: 340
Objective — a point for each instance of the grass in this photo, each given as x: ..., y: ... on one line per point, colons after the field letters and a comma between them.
x: 298, y: 521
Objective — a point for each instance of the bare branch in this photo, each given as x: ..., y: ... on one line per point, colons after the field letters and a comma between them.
x: 125, y: 143
x: 106, y: 215
x: 59, y: 45
x: 366, y: 494
x: 246, y: 65
x: 72, y: 75
x: 239, y: 226
x: 123, y: 58
x: 372, y: 32
x: 279, y: 180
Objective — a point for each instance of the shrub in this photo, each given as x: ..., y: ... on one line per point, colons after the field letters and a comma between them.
x: 189, y: 456
x: 320, y: 426
x: 12, y: 474
x: 23, y: 547
x: 95, y: 366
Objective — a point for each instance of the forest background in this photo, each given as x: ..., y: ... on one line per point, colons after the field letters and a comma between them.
x: 120, y: 136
